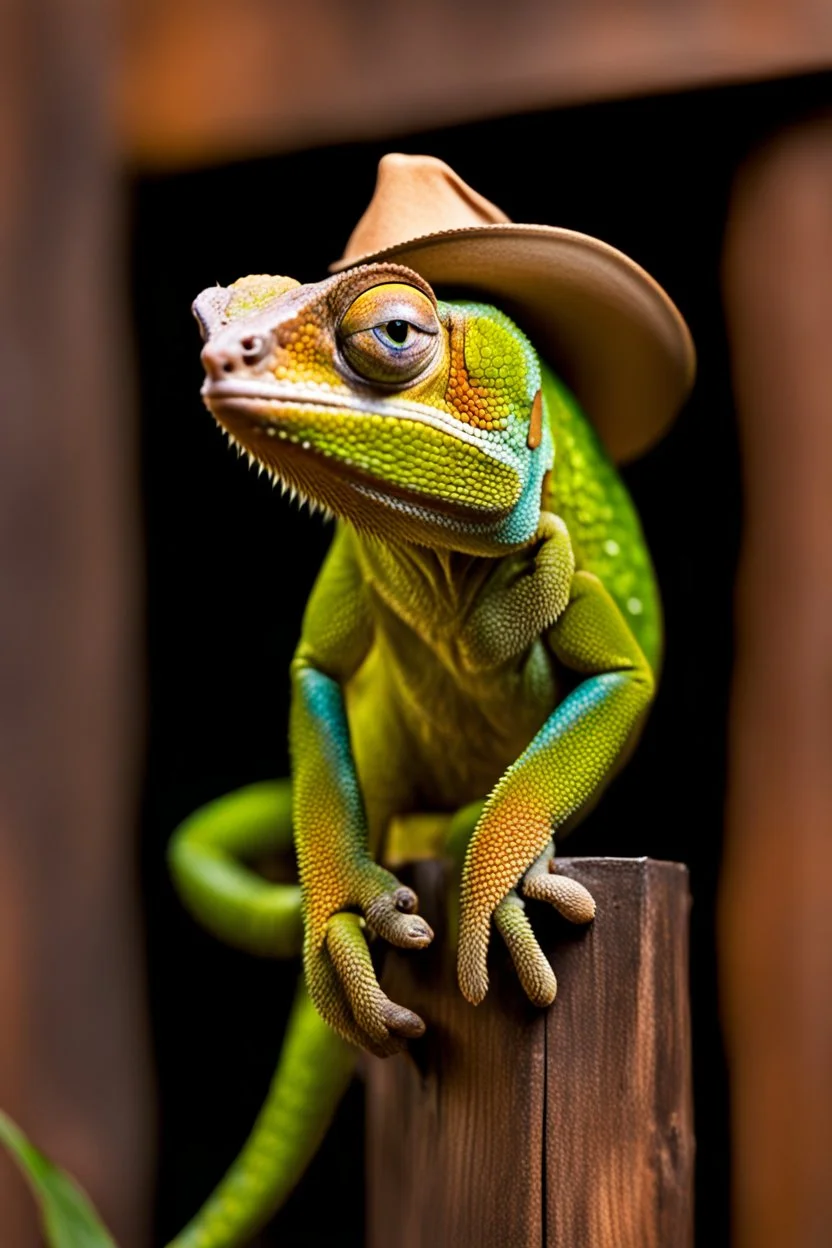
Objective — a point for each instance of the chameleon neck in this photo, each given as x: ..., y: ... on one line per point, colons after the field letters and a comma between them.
x: 429, y: 589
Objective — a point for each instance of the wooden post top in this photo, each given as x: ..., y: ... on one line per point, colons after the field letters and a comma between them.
x: 565, y: 1128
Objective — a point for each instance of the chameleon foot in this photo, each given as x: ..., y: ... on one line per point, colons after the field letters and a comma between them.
x: 374, y: 1013
x: 393, y: 917
x: 568, y: 897
x: 339, y: 971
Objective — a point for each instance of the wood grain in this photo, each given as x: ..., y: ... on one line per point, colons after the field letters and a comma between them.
x: 619, y: 1117
x: 442, y: 1122
x: 570, y: 1128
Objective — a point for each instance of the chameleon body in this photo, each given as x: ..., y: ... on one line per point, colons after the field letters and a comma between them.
x: 476, y: 659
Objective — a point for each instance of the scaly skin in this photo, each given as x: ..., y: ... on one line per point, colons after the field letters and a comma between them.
x: 482, y: 639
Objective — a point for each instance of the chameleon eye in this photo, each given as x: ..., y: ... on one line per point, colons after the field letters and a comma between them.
x: 390, y: 334
x: 395, y: 331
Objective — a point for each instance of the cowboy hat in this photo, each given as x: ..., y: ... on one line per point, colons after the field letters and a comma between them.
x: 595, y: 315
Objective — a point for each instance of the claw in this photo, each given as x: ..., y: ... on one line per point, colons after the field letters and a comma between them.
x: 339, y: 971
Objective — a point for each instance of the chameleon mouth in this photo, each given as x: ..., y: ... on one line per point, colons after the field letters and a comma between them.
x: 277, y: 399
x: 275, y: 433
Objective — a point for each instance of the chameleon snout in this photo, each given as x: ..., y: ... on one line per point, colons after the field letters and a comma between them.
x: 234, y: 355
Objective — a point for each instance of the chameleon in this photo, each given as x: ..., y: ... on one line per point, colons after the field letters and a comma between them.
x: 476, y: 660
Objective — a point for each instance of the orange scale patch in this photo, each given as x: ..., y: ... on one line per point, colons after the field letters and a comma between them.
x: 305, y: 350
x: 468, y: 402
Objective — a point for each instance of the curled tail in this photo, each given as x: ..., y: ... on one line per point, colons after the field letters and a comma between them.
x: 210, y: 855
x: 314, y: 1069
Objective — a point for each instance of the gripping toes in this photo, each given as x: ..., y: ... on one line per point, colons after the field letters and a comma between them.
x: 390, y: 908
x: 533, y: 969
x: 531, y: 964
x: 339, y: 970
x: 569, y: 898
x: 385, y: 1023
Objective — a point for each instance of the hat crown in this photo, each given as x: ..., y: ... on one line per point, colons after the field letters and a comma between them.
x: 414, y: 196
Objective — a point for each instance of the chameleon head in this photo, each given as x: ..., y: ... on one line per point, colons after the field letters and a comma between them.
x: 400, y: 414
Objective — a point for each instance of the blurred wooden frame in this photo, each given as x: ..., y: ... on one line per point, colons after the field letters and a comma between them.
x: 208, y: 79
x: 776, y: 902
x: 73, y: 1041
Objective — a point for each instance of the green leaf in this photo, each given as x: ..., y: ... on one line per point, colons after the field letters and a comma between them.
x: 69, y: 1220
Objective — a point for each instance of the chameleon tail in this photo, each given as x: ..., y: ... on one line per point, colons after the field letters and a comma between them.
x: 314, y: 1069
x: 209, y: 857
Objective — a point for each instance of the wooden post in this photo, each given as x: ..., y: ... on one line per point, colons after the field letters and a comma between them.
x: 508, y: 1127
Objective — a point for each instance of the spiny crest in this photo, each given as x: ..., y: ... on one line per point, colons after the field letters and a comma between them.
x: 294, y: 491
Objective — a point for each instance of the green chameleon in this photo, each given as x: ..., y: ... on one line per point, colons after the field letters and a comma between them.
x: 486, y: 622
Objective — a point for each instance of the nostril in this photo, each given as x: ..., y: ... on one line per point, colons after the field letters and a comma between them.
x: 226, y: 354
x: 253, y: 348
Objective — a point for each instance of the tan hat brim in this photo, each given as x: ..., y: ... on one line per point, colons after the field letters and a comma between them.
x: 601, y: 321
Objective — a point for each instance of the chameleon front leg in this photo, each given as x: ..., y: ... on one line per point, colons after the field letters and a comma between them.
x: 339, y: 877
x: 567, y: 762
x: 346, y: 895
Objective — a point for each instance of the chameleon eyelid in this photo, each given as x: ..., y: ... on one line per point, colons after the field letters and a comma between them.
x: 398, y: 311
x: 368, y: 354
x: 395, y: 306
x: 413, y: 343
